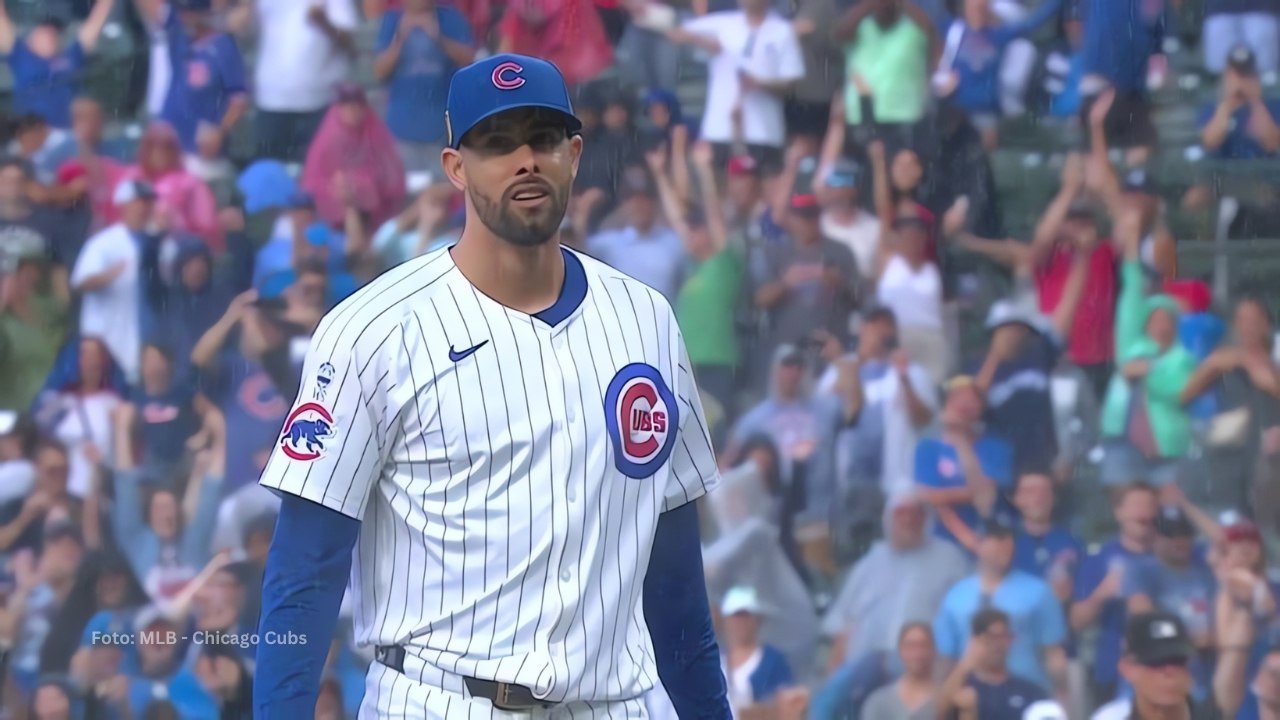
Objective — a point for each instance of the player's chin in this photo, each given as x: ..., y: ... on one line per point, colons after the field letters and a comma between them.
x: 531, y: 234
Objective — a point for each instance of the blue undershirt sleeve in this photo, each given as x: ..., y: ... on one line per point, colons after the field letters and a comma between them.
x: 679, y: 618
x: 306, y: 574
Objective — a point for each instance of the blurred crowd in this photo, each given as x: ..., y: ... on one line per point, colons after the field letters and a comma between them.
x: 984, y: 457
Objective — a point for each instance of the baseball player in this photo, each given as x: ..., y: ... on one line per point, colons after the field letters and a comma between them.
x: 508, y: 436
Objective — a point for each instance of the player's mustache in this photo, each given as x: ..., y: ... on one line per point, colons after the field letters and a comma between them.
x: 530, y: 185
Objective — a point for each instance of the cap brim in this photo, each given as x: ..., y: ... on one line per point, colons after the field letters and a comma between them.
x: 1174, y: 650
x: 571, y: 121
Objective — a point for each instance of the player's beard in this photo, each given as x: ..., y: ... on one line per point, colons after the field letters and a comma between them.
x: 523, y: 228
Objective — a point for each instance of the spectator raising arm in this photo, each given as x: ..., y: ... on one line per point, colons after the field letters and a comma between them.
x: 213, y: 340
x: 955, y: 695
x: 1050, y: 225
x: 341, y: 39
x: 91, y: 28
x: 1064, y: 313
x: 673, y: 205
x: 8, y: 32
x: 150, y: 11
x: 705, y: 43
x: 717, y: 228
x: 833, y: 140
x: 847, y: 27
x: 25, y: 578
x: 1236, y: 634
x: 33, y: 510
x: 780, y: 205
x: 1262, y: 124
x: 384, y: 64
x: 921, y: 19
x: 127, y: 521
x: 849, y: 387
x: 204, y: 491
x: 1008, y: 252
x: 1220, y: 124
x: 88, y: 283
x: 178, y: 609
x: 886, y: 209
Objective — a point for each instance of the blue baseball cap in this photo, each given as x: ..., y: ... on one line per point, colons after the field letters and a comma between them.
x: 843, y: 174
x: 500, y: 83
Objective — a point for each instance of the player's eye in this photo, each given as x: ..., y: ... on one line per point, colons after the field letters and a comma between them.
x: 502, y: 142
x: 545, y: 139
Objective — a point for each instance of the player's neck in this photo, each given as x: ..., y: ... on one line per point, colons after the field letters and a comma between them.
x: 525, y: 279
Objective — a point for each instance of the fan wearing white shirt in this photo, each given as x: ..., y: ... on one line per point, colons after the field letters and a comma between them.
x: 305, y: 50
x: 843, y: 219
x: 755, y: 672
x: 17, y: 473
x: 108, y: 276
x: 756, y: 58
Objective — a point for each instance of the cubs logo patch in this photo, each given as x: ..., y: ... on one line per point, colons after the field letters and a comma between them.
x: 306, y: 431
x: 198, y: 74
x: 641, y: 417
x: 506, y: 76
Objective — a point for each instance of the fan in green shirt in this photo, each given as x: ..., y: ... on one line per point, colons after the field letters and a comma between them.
x: 32, y: 329
x: 706, y: 305
x: 708, y: 300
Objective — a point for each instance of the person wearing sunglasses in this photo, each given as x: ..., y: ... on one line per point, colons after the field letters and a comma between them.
x: 1157, y: 666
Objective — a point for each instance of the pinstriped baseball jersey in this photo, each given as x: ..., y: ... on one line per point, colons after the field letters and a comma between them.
x: 509, y: 469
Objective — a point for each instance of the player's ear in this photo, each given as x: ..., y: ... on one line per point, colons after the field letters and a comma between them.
x: 575, y: 151
x: 451, y: 161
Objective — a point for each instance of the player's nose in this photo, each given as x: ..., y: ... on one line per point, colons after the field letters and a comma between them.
x: 526, y: 159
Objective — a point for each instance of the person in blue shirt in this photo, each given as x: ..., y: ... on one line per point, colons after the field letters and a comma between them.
x: 1097, y: 597
x: 765, y: 667
x: 1177, y: 579
x: 46, y: 73
x: 1259, y: 689
x: 299, y: 236
x: 1034, y: 615
x: 419, y: 48
x: 163, y: 405
x: 206, y: 96
x: 1063, y: 66
x: 963, y: 472
x: 989, y: 63
x: 983, y: 685
x: 169, y: 540
x: 162, y: 674
x: 1041, y: 548
x: 1242, y: 126
x: 1120, y: 38
x: 223, y: 674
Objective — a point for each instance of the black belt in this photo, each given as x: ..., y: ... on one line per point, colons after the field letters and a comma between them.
x: 503, y: 695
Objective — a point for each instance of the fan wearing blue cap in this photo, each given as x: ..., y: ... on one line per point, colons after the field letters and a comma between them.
x: 572, y: 384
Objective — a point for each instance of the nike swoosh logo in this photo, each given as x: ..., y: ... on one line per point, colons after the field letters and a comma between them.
x: 457, y: 356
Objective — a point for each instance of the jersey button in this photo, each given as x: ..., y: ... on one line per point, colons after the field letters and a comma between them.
x: 566, y: 576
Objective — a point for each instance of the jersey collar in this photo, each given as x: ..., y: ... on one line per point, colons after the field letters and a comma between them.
x: 572, y: 292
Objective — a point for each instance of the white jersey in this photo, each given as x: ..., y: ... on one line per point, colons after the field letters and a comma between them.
x: 509, y: 469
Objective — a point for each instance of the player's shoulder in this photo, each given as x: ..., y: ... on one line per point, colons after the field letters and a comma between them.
x: 372, y: 311
x: 621, y: 290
